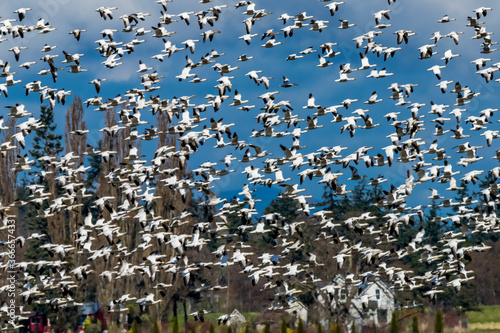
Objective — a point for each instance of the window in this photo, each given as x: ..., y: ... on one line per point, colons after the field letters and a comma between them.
x: 343, y: 295
x: 377, y: 292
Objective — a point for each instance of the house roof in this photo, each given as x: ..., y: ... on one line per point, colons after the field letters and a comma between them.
x: 295, y: 304
x: 237, y: 314
x: 382, y: 285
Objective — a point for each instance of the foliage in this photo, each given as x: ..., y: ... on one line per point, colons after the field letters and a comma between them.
x: 300, y: 326
x: 285, y: 206
x: 134, y: 328
x: 145, y: 320
x: 394, y: 322
x: 95, y: 168
x: 439, y: 323
x: 414, y: 324
x: 156, y: 327
x: 267, y: 328
x: 45, y: 141
x: 484, y: 314
x: 283, y: 325
x: 175, y: 325
x: 93, y: 326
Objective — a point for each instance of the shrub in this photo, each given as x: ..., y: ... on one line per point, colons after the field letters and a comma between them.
x: 93, y: 326
x: 414, y: 325
x: 175, y: 325
x: 267, y: 328
x: 300, y: 326
x: 394, y: 322
x: 135, y: 328
x: 353, y: 327
x: 283, y: 325
x: 439, y: 323
x: 156, y: 327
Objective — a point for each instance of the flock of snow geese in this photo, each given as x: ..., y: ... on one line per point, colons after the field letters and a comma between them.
x: 280, y: 123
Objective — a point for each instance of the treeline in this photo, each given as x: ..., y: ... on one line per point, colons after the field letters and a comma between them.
x: 50, y: 209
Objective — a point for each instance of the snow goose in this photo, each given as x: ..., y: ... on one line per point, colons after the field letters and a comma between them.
x: 333, y: 7
x: 344, y: 24
x: 446, y: 19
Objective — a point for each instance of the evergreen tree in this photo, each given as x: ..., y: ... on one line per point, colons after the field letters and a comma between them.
x: 414, y: 324
x: 353, y: 327
x: 394, y: 322
x: 320, y: 328
x: 300, y: 326
x: 175, y: 325
x: 338, y: 329
x: 156, y: 327
x: 95, y: 168
x: 285, y: 206
x: 45, y: 141
x: 135, y: 327
x: 439, y: 323
x: 283, y: 325
x: 267, y: 328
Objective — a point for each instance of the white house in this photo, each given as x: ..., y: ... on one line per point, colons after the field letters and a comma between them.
x: 374, y: 304
x: 236, y: 320
x: 297, y: 310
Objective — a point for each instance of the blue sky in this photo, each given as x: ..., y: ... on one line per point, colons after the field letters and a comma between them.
x: 421, y: 17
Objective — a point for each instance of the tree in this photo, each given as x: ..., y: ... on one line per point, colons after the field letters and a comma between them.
x: 439, y: 322
x: 135, y: 328
x: 46, y: 148
x: 93, y: 326
x: 45, y: 141
x: 75, y: 140
x: 353, y: 327
x: 283, y: 325
x: 156, y: 327
x: 300, y: 326
x: 175, y: 325
x: 414, y: 324
x: 267, y: 328
x: 8, y: 176
x: 285, y: 206
x: 394, y: 322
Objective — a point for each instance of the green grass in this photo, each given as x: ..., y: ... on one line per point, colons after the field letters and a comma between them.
x: 486, y: 314
x: 212, y: 318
